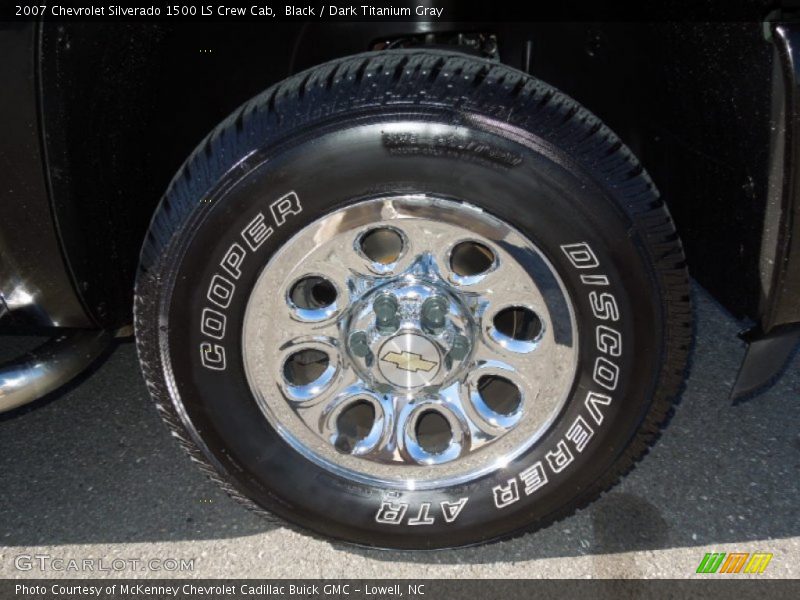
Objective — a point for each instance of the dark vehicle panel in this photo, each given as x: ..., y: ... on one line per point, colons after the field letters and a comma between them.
x: 36, y: 288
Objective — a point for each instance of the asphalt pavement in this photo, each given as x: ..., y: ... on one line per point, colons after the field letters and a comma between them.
x: 94, y: 475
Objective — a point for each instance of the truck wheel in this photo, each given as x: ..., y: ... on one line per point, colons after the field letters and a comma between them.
x: 413, y: 299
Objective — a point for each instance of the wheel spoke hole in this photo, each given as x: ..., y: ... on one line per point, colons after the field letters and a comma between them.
x: 433, y: 432
x: 353, y: 425
x: 518, y: 323
x: 499, y: 394
x: 313, y: 293
x: 305, y: 367
x: 469, y: 259
x: 383, y: 245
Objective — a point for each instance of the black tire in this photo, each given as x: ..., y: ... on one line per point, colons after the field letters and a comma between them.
x: 506, y: 142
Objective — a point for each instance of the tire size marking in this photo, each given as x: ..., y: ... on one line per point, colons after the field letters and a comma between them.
x: 222, y: 287
x: 403, y: 143
x: 608, y: 343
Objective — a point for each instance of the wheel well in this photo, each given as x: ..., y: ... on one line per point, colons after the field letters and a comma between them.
x: 124, y: 105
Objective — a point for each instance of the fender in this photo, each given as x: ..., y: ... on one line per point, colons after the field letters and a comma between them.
x: 36, y: 289
x: 777, y: 332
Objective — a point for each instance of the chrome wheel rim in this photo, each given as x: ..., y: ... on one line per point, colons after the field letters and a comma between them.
x: 410, y: 342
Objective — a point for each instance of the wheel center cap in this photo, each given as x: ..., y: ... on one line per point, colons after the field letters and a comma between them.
x: 409, y: 360
x: 411, y: 334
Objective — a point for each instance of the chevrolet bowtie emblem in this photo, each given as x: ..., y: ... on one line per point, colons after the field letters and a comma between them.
x: 408, y: 361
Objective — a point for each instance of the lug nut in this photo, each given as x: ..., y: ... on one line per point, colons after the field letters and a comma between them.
x: 386, y: 318
x: 460, y: 348
x: 358, y: 344
x: 433, y: 313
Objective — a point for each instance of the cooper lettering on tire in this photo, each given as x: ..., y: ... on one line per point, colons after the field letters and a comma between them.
x: 413, y: 299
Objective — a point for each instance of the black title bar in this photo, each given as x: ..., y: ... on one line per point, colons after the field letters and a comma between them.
x: 403, y: 10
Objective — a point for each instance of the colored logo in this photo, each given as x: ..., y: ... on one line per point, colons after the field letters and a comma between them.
x: 734, y: 562
x: 408, y: 361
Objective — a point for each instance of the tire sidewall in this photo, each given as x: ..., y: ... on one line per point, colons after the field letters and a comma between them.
x: 510, y: 173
